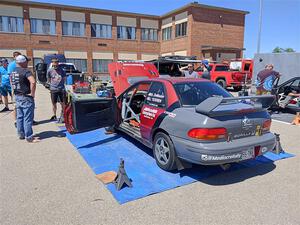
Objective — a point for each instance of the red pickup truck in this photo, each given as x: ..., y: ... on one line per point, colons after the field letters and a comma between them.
x: 225, y: 76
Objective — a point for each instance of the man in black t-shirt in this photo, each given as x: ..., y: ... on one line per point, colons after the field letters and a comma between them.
x: 23, y: 84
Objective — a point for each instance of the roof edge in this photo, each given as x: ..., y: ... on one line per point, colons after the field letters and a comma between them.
x: 193, y: 4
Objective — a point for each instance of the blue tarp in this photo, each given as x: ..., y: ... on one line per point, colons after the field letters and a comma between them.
x: 103, y: 152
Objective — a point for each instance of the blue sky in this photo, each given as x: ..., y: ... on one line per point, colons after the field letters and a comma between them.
x: 280, y: 23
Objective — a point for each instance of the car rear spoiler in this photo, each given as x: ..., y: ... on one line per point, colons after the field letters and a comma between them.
x: 255, y: 103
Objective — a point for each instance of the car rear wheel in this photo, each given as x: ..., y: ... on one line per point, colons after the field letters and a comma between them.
x: 164, y: 152
x: 222, y: 83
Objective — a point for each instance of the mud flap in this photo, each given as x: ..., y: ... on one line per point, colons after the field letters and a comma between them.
x: 181, y: 164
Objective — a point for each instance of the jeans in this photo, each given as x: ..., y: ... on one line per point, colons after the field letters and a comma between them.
x: 25, y: 113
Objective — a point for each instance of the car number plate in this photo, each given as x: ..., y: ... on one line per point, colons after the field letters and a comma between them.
x: 248, y: 154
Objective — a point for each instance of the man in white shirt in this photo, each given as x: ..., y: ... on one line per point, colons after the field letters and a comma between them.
x: 190, y: 72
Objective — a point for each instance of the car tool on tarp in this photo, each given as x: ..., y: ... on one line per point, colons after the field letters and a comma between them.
x: 277, y: 149
x: 122, y: 177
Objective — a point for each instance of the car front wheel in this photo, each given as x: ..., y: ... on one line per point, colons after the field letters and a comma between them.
x: 164, y: 152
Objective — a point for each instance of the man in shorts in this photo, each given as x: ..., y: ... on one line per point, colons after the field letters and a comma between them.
x: 56, y: 78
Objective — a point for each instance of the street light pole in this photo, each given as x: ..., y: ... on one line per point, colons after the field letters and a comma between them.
x: 259, y: 25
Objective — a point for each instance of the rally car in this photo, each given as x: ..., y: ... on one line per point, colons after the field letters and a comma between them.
x: 182, y: 120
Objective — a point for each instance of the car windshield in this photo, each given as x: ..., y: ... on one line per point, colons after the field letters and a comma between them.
x: 193, y: 93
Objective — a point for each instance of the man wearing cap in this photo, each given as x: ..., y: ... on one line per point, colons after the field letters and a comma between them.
x: 24, y: 86
x: 265, y: 80
x: 5, y: 88
x: 56, y: 78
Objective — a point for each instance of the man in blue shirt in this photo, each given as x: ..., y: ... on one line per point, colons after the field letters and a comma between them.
x: 5, y: 88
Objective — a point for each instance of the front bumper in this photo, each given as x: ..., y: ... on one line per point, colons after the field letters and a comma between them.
x: 222, y: 152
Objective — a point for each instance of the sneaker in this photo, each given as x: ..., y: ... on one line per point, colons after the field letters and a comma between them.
x: 33, y: 140
x: 53, y: 118
x: 21, y: 138
x: 5, y: 109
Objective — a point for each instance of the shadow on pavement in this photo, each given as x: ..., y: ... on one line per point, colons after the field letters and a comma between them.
x: 43, y: 121
x: 237, y: 173
x: 50, y: 134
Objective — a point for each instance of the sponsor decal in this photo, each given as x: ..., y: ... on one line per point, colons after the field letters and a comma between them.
x: 170, y: 114
x: 246, y: 123
x: 220, y: 157
x: 149, y: 113
x: 246, y: 134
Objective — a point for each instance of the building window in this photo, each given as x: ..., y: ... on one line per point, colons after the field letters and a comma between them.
x: 101, y: 65
x: 149, y: 34
x: 80, y: 64
x: 181, y: 29
x: 167, y: 33
x: 41, y: 26
x: 126, y: 32
x: 11, y: 24
x: 73, y: 28
x: 101, y: 30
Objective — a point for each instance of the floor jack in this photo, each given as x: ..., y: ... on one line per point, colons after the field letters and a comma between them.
x: 122, y: 177
x: 277, y: 149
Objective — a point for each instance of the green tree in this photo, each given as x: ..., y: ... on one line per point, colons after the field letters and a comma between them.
x: 289, y: 50
x: 281, y: 50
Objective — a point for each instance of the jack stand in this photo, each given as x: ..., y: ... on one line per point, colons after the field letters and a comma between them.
x: 61, y: 118
x: 122, y: 177
x: 277, y: 149
x: 225, y: 166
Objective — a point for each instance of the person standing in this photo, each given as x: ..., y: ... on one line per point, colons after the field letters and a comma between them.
x: 265, y: 79
x: 56, y: 77
x: 190, y: 73
x: 24, y: 86
x: 11, y: 68
x: 5, y: 88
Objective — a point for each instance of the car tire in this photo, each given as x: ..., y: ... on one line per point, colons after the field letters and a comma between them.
x: 222, y: 83
x: 164, y: 151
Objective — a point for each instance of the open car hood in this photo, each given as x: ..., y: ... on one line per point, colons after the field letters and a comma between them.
x: 124, y: 74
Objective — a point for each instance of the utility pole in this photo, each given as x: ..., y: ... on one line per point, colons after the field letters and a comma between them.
x: 259, y: 25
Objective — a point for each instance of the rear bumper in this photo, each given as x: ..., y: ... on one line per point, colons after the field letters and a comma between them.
x: 222, y: 152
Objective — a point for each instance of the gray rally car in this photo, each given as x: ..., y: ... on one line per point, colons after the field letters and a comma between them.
x: 182, y: 120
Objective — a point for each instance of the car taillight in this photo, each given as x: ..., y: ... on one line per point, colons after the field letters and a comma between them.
x: 266, y: 125
x: 208, y: 133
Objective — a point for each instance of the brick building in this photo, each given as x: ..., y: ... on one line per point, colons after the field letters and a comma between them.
x: 91, y: 38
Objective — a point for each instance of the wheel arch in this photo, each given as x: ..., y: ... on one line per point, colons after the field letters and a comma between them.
x: 158, y: 130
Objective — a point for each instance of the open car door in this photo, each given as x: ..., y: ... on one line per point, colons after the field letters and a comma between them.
x: 87, y: 112
x: 124, y: 74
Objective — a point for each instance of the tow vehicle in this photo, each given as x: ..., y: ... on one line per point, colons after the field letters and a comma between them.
x: 182, y: 120
x: 225, y: 77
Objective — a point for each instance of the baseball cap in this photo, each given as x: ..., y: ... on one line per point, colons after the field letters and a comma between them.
x: 21, y: 59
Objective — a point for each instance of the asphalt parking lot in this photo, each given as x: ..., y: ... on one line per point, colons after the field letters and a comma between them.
x: 50, y: 183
